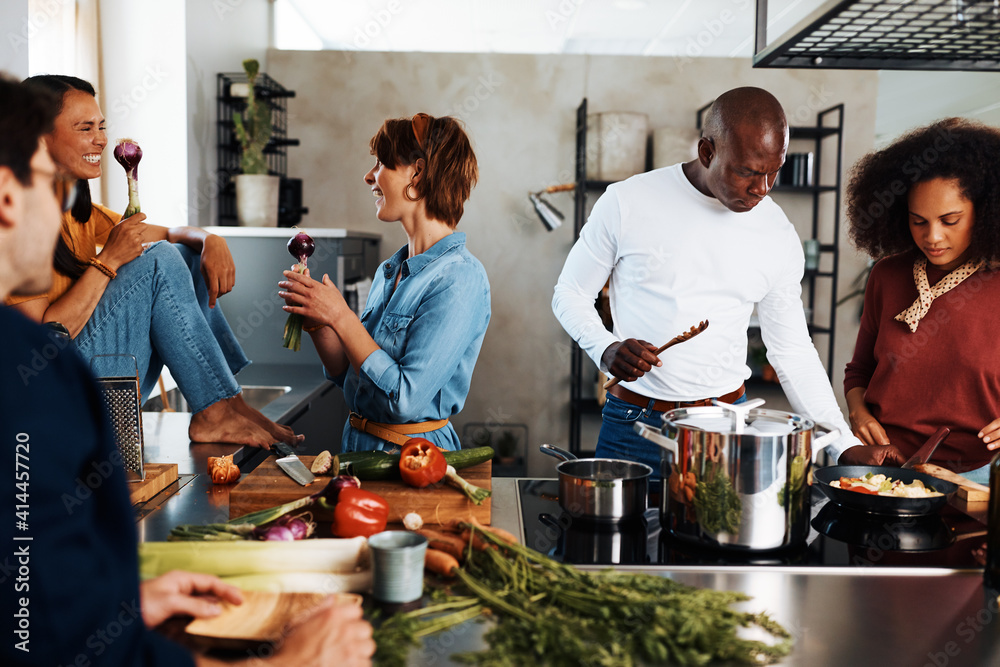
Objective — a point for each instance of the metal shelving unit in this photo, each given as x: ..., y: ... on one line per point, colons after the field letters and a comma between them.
x: 579, y: 404
x: 270, y: 92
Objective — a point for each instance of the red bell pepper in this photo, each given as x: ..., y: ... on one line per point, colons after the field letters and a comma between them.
x: 359, y: 513
x: 421, y: 463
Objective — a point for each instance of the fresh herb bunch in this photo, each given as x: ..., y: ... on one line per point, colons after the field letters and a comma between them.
x: 717, y: 505
x: 549, y: 613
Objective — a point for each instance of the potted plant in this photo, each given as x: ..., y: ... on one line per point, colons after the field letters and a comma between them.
x: 256, y: 190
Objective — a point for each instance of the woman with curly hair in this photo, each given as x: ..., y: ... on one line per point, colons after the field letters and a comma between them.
x: 928, y: 208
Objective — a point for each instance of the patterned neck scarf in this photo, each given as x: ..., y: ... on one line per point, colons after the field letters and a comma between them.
x: 927, y: 294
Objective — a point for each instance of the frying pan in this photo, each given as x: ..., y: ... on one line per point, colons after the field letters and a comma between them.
x: 886, y: 505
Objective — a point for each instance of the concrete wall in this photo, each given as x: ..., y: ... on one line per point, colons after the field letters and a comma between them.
x: 910, y: 99
x: 220, y: 36
x: 15, y: 30
x: 520, y: 112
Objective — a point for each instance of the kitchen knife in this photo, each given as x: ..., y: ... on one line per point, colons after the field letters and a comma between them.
x: 923, y: 454
x: 291, y: 465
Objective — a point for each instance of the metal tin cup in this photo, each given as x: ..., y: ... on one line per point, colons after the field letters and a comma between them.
x: 397, y: 565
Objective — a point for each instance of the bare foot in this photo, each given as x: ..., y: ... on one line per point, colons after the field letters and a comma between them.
x: 278, y: 432
x: 223, y: 422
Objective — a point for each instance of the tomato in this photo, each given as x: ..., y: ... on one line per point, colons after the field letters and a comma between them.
x: 421, y: 463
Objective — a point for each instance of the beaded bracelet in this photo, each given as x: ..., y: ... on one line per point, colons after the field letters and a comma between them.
x: 103, y: 268
x: 312, y: 329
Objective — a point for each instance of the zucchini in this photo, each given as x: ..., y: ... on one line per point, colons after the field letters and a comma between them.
x: 377, y: 465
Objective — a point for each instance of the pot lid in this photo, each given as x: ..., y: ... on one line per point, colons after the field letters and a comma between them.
x: 727, y: 420
x: 724, y: 424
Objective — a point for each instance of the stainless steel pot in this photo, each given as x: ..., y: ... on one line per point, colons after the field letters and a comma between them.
x: 735, y: 476
x: 600, y: 489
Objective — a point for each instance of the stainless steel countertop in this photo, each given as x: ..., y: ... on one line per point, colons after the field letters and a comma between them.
x: 845, y: 617
x: 196, y: 499
x: 856, y: 617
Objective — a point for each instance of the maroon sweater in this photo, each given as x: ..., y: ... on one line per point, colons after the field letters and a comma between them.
x: 945, y: 374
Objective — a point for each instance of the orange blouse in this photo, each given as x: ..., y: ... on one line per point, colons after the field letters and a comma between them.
x: 83, y: 238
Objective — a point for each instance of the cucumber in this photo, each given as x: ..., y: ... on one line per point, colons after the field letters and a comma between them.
x: 379, y: 465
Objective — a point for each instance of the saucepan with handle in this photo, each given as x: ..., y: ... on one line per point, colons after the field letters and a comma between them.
x: 600, y: 489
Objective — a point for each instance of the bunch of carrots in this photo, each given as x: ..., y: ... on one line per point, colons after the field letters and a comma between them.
x: 448, y: 548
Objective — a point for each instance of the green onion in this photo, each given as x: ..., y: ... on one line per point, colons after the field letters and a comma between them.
x: 475, y: 493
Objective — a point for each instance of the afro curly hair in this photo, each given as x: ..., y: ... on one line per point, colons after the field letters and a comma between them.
x: 953, y: 148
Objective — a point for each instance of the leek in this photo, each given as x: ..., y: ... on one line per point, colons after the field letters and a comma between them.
x: 304, y: 582
x: 242, y: 557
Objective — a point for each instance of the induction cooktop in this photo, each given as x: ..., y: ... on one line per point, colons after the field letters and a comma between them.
x: 837, y: 538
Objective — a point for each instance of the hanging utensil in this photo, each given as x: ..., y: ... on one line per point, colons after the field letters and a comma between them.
x: 687, y: 335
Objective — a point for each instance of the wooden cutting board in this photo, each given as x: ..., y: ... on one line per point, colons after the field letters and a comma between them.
x: 267, y: 486
x: 967, y: 490
x: 158, y: 477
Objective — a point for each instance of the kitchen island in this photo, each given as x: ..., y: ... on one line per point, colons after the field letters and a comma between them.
x: 844, y: 616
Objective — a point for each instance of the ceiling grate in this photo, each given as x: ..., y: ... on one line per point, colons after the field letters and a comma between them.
x: 909, y: 34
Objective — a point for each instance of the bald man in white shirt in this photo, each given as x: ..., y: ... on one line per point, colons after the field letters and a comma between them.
x: 695, y: 241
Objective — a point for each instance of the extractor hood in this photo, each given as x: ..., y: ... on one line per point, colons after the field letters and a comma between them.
x: 902, y: 34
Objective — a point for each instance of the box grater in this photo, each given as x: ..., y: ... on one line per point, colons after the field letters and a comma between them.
x: 123, y: 402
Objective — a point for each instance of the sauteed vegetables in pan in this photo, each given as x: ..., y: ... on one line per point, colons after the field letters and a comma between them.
x: 881, y: 485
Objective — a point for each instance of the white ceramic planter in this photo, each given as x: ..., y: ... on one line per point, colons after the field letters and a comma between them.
x: 257, y: 200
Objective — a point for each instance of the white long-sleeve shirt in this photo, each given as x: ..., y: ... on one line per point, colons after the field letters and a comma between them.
x: 676, y: 257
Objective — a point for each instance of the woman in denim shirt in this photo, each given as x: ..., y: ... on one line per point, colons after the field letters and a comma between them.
x: 406, y: 365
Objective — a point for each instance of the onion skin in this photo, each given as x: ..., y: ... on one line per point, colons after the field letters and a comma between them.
x: 279, y: 533
x: 128, y: 154
x: 222, y: 470
x: 301, y: 246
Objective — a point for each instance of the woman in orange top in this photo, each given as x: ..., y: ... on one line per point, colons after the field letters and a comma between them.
x: 140, y: 295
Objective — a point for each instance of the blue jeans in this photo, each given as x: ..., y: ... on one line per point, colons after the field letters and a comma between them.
x: 979, y: 475
x: 157, y: 310
x: 618, y: 439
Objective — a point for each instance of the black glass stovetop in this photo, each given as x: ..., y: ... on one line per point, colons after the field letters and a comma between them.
x: 837, y: 537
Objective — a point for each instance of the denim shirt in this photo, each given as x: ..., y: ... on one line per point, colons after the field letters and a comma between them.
x: 429, y: 331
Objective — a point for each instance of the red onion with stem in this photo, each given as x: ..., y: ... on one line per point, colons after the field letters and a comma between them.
x: 301, y: 246
x: 128, y: 154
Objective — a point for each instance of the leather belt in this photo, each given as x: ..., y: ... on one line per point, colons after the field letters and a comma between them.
x: 641, y: 401
x: 397, y: 434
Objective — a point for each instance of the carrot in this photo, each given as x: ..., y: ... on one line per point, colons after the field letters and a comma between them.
x: 478, y: 543
x: 440, y: 562
x: 499, y: 533
x: 450, y: 544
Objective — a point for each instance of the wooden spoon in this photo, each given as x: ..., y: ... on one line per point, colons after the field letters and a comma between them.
x: 967, y: 489
x: 687, y: 335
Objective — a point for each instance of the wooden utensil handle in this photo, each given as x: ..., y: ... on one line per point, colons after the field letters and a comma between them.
x: 673, y: 341
x: 974, y: 491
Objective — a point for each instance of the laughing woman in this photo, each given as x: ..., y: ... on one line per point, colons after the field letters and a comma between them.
x: 150, y: 291
x: 928, y: 207
x: 406, y: 364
